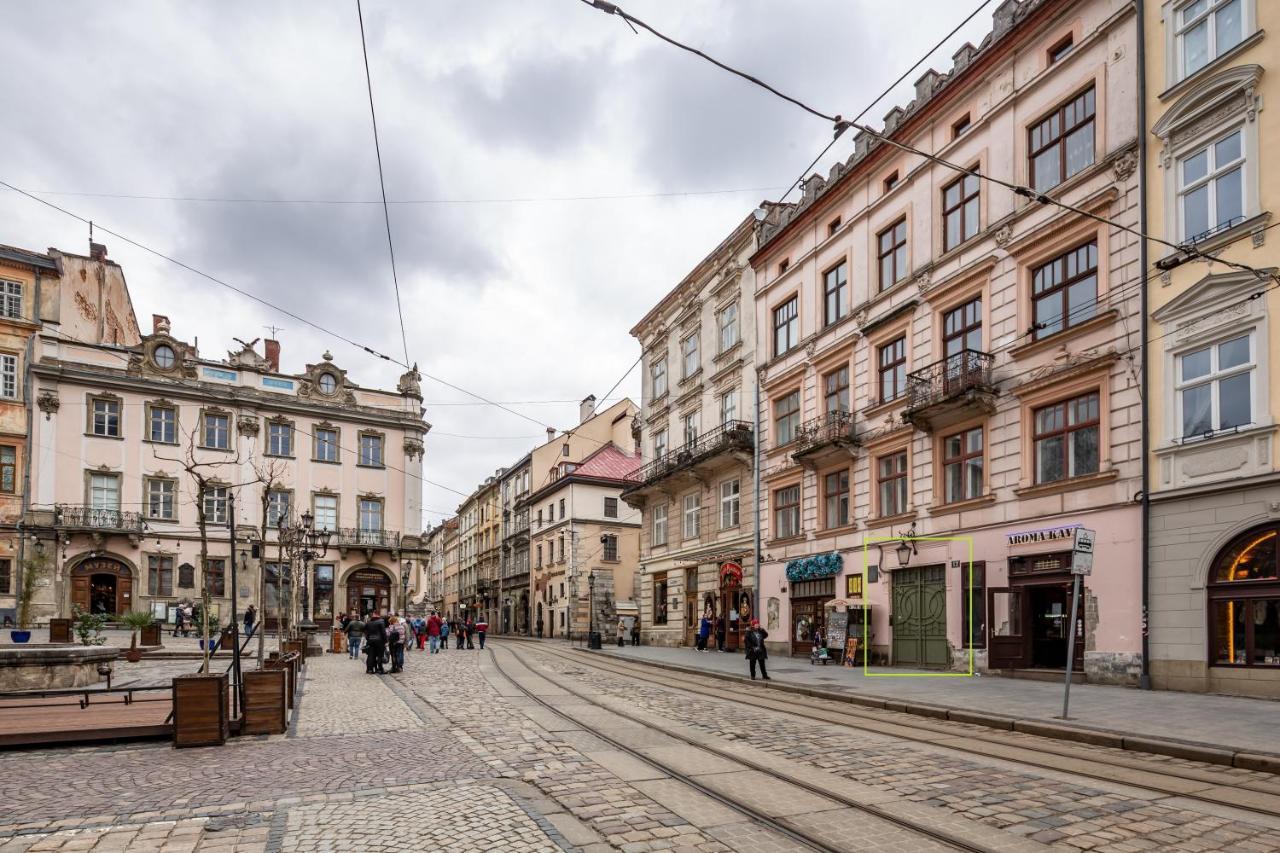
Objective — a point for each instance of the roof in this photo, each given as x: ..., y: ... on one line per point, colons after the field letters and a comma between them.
x: 29, y: 258
x: 609, y: 463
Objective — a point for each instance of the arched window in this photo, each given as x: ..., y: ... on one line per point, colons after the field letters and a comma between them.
x: 1244, y: 601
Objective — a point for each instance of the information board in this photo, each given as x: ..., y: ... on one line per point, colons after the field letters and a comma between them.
x: 837, y: 630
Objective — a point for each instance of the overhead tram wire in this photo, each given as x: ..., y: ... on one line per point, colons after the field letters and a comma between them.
x: 382, y: 183
x: 840, y: 125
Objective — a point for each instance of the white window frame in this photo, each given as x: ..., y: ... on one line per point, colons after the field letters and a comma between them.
x: 1214, y: 377
x: 690, y: 357
x: 730, y: 503
x: 110, y: 407
x: 215, y: 505
x: 279, y: 438
x: 1210, y: 180
x: 325, y: 507
x: 225, y: 433
x: 659, y: 534
x: 326, y: 450
x: 11, y: 299
x: 660, y: 443
x: 8, y: 376
x: 366, y: 516
x: 1176, y: 29
x: 104, y: 492
x: 689, y: 425
x: 658, y: 378
x: 692, y: 515
x: 275, y: 511
x: 727, y: 325
x: 729, y: 406
x: 171, y: 496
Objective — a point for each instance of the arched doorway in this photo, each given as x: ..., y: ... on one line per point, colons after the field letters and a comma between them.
x: 368, y: 591
x: 102, y: 585
x: 1244, y: 601
x: 522, y: 614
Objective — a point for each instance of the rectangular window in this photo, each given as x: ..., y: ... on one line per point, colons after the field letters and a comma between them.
x: 729, y: 406
x: 539, y: 556
x: 690, y: 423
x: 104, y: 492
x: 891, y: 479
x: 786, y: 512
x: 562, y: 509
x: 371, y: 449
x: 1211, y: 187
x: 835, y: 293
x: 962, y: 465
x: 215, y: 505
x: 159, y: 576
x: 727, y: 322
x: 610, y: 507
x: 730, y: 503
x: 8, y: 469
x: 163, y: 426
x: 278, y: 505
x: 326, y: 444
x: 1061, y: 144
x: 835, y: 391
x: 786, y: 326
x: 892, y: 360
x: 161, y: 499
x: 660, y: 525
x: 961, y: 126
x: 1064, y: 292
x: 11, y: 299
x: 610, y: 548
x: 890, y: 180
x: 658, y: 378
x: 1206, y: 29
x: 835, y: 490
x: 370, y: 515
x: 217, y: 431
x: 833, y: 226
x: 689, y: 356
x: 1066, y: 439
x: 279, y: 439
x: 8, y: 376
x: 6, y: 577
x: 1215, y: 387
x: 660, y: 599
x: 959, y: 211
x: 660, y: 444
x: 891, y: 253
x: 692, y: 515
x: 962, y: 328
x: 106, y: 417
x: 786, y: 418
x: 325, y: 510
x: 1061, y: 48
x: 215, y: 576
x: 784, y: 265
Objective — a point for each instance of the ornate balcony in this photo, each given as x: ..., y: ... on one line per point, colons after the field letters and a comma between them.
x: 369, y: 540
x: 732, y: 438
x: 950, y: 390
x: 98, y: 521
x: 825, y: 437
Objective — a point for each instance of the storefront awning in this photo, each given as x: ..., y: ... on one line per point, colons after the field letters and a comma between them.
x: 815, y: 567
x: 840, y: 604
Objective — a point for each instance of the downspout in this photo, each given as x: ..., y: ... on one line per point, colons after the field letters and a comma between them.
x: 755, y: 489
x: 26, y: 456
x: 1144, y: 679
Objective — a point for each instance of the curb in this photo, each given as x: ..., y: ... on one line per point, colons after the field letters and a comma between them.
x: 1266, y: 762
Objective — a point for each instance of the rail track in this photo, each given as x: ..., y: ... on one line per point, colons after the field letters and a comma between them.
x: 1251, y: 791
x: 871, y: 812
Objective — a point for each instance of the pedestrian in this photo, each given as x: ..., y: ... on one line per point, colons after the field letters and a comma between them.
x: 704, y: 632
x: 444, y: 634
x: 635, y: 631
x: 343, y: 620
x: 398, y: 637
x: 720, y: 633
x: 250, y: 617
x: 420, y: 631
x: 539, y: 626
x: 459, y: 633
x: 470, y: 630
x: 482, y: 628
x: 375, y: 643
x: 355, y: 633
x: 432, y: 630
x: 756, y: 651
x: 622, y: 632
x: 177, y: 620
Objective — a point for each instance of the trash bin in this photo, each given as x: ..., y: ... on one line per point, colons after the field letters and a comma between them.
x: 593, y: 640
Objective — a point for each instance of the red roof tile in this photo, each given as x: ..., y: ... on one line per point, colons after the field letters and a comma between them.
x: 609, y: 463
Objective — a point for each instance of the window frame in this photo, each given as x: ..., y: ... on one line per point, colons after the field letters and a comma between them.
x: 895, y: 479
x: 8, y: 300
x: 610, y: 507
x: 1060, y: 49
x: 1061, y: 288
x: 837, y: 498
x: 658, y: 526
x: 90, y: 490
x: 147, y: 483
x: 960, y: 461
x: 9, y: 469
x: 316, y: 497
x: 205, y: 415
x: 783, y: 503
x: 316, y: 444
x: 1178, y: 29
x: 155, y: 409
x: 727, y: 322
x: 968, y: 319
x: 895, y: 252
x: 961, y: 208
x: 108, y: 400
x: 691, y: 515
x: 274, y: 509
x: 840, y: 292
x: 289, y: 438
x: 1214, y: 377
x: 690, y: 354
x: 9, y: 385
x: 367, y: 501
x: 1065, y: 432
x: 156, y: 573
x: 840, y: 390
x: 660, y: 595
x: 381, y: 445
x: 658, y: 376
x: 1245, y: 591
x: 786, y: 319
x: 729, y: 413
x: 730, y: 503
x: 1059, y: 139
x: 781, y: 409
x: 215, y: 503
x: 609, y: 548
x: 896, y: 368
x: 1209, y: 146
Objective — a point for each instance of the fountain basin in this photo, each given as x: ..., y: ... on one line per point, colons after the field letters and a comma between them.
x: 50, y: 667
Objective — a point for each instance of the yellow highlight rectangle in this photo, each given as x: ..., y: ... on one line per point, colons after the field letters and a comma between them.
x: 865, y: 606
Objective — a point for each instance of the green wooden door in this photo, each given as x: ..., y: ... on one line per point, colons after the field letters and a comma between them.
x: 920, y: 617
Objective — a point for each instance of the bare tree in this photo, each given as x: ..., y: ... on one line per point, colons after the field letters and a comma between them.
x: 267, y: 472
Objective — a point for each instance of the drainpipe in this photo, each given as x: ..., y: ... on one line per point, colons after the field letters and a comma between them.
x: 26, y: 458
x: 1144, y: 679
x: 755, y: 477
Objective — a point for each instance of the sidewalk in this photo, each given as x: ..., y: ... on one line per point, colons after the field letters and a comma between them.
x: 1227, y: 723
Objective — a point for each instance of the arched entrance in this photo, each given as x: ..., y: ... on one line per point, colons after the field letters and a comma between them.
x: 102, y: 585
x: 1244, y: 601
x: 368, y: 590
x: 522, y: 614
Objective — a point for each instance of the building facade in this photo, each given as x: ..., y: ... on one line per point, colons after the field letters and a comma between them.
x: 695, y: 489
x: 431, y: 580
x: 1213, y: 479
x: 451, y: 574
x: 513, y: 570
x: 479, y: 524
x: 123, y: 434
x: 953, y: 368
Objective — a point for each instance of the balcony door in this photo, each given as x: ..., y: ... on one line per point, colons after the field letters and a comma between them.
x: 104, y: 500
x: 962, y: 335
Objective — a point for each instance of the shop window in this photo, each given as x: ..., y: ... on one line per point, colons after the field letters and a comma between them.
x: 660, y: 599
x: 1244, y: 601
x: 1067, y: 439
x: 323, y: 606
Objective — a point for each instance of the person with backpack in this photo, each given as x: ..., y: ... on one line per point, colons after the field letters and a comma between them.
x: 444, y: 634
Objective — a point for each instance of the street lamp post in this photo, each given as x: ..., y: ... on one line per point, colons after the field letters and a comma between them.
x: 405, y: 570
x: 591, y: 609
x: 307, y: 544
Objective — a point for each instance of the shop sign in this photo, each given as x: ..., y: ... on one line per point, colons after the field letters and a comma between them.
x: 1048, y: 534
x: 853, y: 586
x: 730, y: 575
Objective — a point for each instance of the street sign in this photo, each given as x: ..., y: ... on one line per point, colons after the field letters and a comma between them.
x: 1083, y: 540
x: 1081, y: 562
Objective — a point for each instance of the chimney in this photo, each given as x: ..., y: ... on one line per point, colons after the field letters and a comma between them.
x: 551, y: 434
x: 273, y: 354
x: 159, y: 324
x: 586, y: 407
x: 97, y: 252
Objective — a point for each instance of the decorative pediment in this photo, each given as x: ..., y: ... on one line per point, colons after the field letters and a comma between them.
x: 1214, y: 294
x: 327, y: 381
x: 163, y: 355
x: 1210, y: 103
x: 247, y: 357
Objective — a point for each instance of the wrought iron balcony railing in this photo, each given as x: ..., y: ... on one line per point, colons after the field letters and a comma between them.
x: 831, y: 428
x: 967, y: 370
x: 731, y: 435
x: 97, y: 518
x: 359, y: 537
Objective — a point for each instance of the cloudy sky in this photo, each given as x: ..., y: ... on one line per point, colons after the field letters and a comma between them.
x: 492, y: 115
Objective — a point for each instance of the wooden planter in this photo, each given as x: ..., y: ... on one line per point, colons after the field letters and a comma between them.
x: 299, y: 646
x: 150, y: 635
x: 59, y: 630
x: 265, y: 702
x: 290, y: 671
x: 200, y: 715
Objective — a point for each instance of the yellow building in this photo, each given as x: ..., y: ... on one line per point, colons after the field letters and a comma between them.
x: 1213, y: 480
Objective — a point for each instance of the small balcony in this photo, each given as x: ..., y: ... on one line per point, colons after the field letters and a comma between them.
x: 824, y: 438
x: 369, y: 540
x: 732, y: 439
x: 99, y: 521
x: 951, y: 390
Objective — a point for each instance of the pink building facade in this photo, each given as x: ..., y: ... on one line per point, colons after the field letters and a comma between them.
x: 941, y: 357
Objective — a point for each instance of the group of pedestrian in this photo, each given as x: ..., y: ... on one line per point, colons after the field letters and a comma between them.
x: 384, y: 639
x: 706, y: 625
x: 623, y: 630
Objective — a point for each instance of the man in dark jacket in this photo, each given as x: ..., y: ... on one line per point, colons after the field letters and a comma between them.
x: 756, y: 651
x: 355, y: 633
x: 375, y: 642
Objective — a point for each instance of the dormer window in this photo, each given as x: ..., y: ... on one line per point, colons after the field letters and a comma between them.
x: 164, y: 356
x: 328, y: 383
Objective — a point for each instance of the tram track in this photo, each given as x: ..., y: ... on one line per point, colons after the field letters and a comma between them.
x: 872, y: 811
x: 1208, y: 784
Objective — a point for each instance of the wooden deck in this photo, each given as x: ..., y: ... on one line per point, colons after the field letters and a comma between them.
x: 61, y: 719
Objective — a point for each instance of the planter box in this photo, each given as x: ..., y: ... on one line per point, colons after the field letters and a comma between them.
x: 299, y: 646
x: 290, y: 673
x: 265, y: 702
x: 200, y: 715
x: 148, y: 636
x: 59, y: 630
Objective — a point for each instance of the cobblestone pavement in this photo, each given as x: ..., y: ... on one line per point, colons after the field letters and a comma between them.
x: 1053, y: 808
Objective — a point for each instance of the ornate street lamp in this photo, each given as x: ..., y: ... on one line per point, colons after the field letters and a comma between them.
x: 306, y: 544
x: 404, y: 587
x: 591, y: 609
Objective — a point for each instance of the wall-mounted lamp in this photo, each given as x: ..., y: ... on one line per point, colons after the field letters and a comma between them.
x: 907, y: 546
